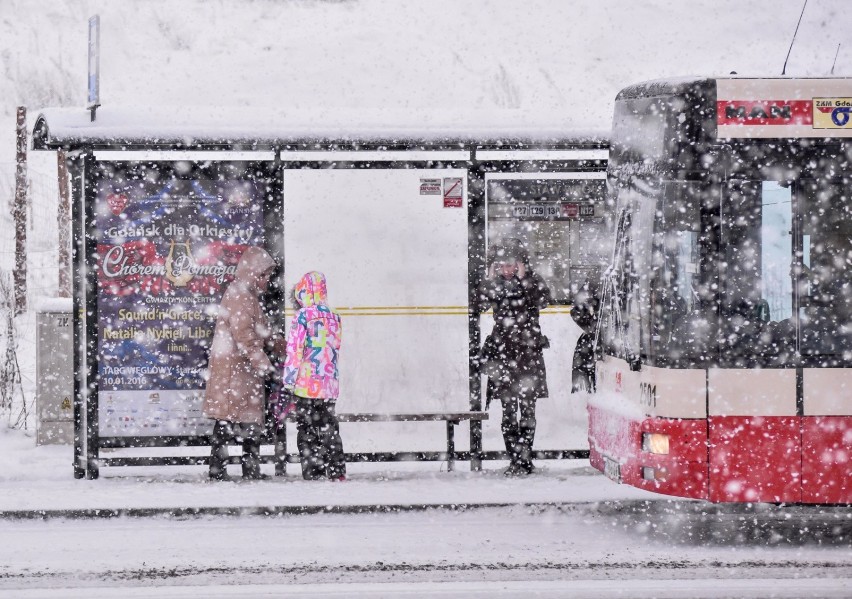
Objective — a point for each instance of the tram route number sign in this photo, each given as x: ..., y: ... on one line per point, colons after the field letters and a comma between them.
x: 536, y: 211
x: 575, y: 210
x: 553, y: 211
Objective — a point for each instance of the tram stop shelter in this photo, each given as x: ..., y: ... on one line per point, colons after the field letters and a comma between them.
x: 399, y: 218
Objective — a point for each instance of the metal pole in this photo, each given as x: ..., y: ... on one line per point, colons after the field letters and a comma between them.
x: 63, y: 225
x: 475, y: 271
x: 20, y: 212
x: 90, y: 303
x: 77, y: 254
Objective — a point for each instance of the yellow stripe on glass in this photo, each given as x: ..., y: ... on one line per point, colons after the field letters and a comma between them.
x: 420, y: 310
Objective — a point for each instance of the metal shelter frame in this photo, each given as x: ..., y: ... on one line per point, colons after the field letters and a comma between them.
x: 477, y: 157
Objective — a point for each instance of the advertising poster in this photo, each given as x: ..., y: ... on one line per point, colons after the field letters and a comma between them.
x: 167, y: 250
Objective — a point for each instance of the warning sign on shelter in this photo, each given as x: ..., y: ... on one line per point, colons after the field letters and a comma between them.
x: 453, y: 192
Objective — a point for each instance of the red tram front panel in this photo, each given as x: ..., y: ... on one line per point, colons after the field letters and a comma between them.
x: 644, y: 431
x: 648, y: 429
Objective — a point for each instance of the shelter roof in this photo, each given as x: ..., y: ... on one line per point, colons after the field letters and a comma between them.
x: 252, y: 128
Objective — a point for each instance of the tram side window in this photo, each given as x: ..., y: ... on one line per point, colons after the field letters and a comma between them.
x: 757, y: 262
x: 619, y: 324
x: 823, y: 277
x: 676, y: 283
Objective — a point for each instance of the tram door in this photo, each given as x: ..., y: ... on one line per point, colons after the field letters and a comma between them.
x: 393, y: 244
x: 559, y: 218
x: 776, y: 407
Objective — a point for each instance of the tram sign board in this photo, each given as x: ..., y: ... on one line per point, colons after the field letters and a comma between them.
x: 832, y: 113
x: 783, y: 108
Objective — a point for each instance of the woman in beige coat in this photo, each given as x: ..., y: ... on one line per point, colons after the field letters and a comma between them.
x: 239, y: 364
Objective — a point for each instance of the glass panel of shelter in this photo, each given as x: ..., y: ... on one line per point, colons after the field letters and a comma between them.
x: 560, y: 222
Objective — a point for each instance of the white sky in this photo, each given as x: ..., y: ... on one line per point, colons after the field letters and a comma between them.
x: 549, y: 60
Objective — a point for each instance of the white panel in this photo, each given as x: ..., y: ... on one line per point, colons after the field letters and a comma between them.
x: 673, y: 393
x: 782, y: 89
x: 745, y: 392
x: 539, y: 175
x: 562, y: 419
x: 192, y: 156
x: 827, y: 391
x: 501, y: 155
x: 778, y: 131
x: 397, y: 261
x: 660, y: 392
x: 373, y: 155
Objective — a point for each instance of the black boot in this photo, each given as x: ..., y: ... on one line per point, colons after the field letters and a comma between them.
x: 251, y: 461
x: 511, y: 436
x: 308, y: 441
x: 336, y: 468
x: 219, y: 451
x: 526, y: 434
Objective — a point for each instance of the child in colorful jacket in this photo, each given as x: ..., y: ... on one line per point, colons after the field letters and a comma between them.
x: 311, y: 377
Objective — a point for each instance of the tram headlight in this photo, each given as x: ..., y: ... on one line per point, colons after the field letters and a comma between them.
x: 655, y: 443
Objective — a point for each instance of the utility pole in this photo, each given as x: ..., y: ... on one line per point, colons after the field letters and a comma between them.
x: 19, y: 212
x: 63, y: 225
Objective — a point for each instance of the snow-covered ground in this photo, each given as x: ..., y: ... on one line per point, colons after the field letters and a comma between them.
x: 39, y: 478
x: 397, y: 530
x: 573, y: 551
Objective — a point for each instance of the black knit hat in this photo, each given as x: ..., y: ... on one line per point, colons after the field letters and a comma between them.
x: 509, y: 249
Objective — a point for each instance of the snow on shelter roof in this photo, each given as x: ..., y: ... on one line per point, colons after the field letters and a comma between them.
x: 186, y: 126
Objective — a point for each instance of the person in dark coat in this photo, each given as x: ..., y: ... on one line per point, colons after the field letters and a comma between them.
x: 512, y: 354
x: 584, y: 312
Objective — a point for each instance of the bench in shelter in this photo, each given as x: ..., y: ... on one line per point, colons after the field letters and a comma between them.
x: 281, y: 457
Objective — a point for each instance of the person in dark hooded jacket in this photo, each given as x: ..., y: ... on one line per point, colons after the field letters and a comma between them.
x: 512, y: 354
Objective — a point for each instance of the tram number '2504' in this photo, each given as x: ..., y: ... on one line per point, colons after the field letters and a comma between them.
x: 648, y: 395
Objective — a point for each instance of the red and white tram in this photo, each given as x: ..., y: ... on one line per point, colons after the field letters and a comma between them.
x: 724, y: 368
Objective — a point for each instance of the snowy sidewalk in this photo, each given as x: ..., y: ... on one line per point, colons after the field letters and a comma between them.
x: 38, y: 482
